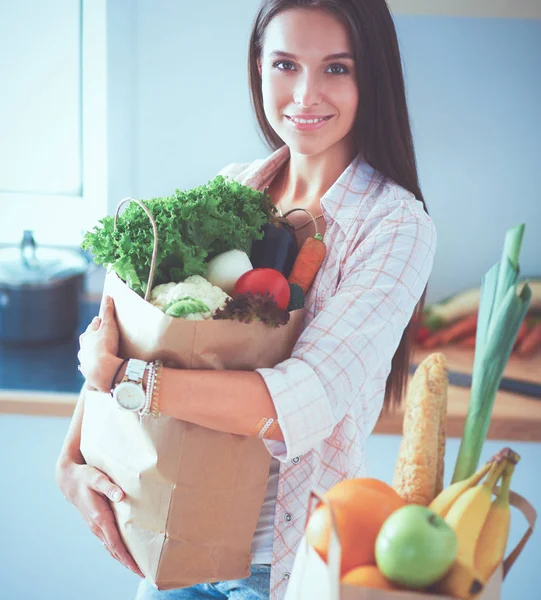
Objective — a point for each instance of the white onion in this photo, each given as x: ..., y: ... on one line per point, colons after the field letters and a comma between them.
x: 225, y: 269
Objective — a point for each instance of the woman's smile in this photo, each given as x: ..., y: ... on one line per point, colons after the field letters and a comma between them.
x: 308, y: 122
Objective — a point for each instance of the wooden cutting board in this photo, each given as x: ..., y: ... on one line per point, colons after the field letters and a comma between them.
x: 461, y: 359
x: 514, y: 416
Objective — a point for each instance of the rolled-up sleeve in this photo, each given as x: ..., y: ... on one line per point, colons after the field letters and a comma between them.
x: 353, y: 335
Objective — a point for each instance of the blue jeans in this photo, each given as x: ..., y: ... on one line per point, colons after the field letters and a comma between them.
x: 254, y: 587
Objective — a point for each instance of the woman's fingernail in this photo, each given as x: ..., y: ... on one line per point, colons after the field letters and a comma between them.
x: 116, y: 496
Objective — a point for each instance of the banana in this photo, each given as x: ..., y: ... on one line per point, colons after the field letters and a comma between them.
x: 490, y: 549
x: 447, y: 497
x: 468, y: 513
x: 461, y: 581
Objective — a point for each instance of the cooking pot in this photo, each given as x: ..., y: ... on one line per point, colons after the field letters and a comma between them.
x: 40, y: 291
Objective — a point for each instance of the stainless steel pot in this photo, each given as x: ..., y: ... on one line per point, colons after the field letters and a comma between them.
x: 40, y: 292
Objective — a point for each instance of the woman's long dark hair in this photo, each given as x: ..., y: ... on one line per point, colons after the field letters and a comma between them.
x: 382, y: 128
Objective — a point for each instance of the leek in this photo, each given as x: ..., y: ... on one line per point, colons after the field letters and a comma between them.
x: 501, y: 313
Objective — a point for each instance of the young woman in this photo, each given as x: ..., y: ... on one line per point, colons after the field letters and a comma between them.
x: 328, y: 92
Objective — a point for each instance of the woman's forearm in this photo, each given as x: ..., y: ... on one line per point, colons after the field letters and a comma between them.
x: 231, y: 401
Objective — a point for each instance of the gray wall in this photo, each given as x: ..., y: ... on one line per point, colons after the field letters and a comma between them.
x: 179, y: 111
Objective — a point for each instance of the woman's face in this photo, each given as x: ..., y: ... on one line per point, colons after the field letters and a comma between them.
x: 308, y: 74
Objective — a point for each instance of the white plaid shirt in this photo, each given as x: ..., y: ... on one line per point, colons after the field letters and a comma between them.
x: 329, y: 394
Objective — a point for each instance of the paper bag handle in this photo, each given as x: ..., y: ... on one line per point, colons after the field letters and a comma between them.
x: 154, y: 249
x: 530, y: 515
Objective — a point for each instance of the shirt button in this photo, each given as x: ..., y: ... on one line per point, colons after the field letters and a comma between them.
x: 296, y: 460
x: 289, y: 516
x: 287, y: 575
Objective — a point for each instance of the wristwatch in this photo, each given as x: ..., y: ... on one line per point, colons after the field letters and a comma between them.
x: 129, y: 393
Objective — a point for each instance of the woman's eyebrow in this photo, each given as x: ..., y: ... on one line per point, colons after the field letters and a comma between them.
x: 335, y: 56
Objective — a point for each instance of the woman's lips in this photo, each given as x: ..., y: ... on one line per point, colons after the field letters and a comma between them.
x: 308, y: 123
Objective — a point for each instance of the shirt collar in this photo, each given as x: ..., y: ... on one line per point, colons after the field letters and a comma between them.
x: 342, y: 200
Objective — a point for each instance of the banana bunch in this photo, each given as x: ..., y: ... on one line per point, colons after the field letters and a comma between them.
x: 481, y: 524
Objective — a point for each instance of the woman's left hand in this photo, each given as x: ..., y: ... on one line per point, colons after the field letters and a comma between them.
x: 98, y: 354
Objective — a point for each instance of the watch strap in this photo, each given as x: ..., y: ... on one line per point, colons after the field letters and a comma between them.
x: 135, y: 370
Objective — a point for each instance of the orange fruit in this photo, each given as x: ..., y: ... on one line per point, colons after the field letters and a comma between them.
x: 360, y: 508
x: 378, y: 485
x: 367, y: 576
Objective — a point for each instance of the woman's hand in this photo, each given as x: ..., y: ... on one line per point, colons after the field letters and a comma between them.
x: 90, y: 491
x: 99, y: 349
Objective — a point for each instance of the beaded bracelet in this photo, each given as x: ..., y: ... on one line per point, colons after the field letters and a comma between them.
x: 145, y: 409
x: 151, y: 406
x: 155, y: 394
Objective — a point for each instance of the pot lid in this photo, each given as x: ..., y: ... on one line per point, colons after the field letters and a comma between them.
x: 28, y: 264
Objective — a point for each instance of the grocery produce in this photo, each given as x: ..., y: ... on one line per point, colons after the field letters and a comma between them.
x: 296, y: 297
x: 469, y: 511
x: 446, y: 498
x: 530, y: 341
x: 224, y: 269
x: 464, y: 327
x: 368, y: 576
x: 248, y: 307
x: 453, y: 308
x: 360, y: 507
x: 308, y: 262
x: 461, y: 581
x: 264, y: 281
x: 194, y: 298
x: 492, y: 542
x: 415, y: 547
x: 278, y: 249
x: 418, y: 475
x: 501, y: 314
x: 193, y: 227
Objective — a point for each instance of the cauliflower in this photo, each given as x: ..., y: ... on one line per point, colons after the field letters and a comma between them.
x: 195, y: 298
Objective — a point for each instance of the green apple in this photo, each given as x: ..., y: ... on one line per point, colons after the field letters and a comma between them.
x: 415, y: 547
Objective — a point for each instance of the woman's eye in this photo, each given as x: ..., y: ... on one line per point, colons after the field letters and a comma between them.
x: 284, y: 65
x: 338, y: 69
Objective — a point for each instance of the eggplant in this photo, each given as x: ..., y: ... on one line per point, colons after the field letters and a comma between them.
x: 278, y: 249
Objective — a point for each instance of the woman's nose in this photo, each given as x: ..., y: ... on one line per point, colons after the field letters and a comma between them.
x: 307, y: 91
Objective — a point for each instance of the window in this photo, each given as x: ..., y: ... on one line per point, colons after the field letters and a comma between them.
x: 53, y: 119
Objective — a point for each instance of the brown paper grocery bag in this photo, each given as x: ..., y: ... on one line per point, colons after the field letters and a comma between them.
x: 193, y: 495
x: 313, y: 579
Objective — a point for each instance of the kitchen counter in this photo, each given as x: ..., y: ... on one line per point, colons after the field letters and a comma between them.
x: 514, y: 417
x: 45, y: 381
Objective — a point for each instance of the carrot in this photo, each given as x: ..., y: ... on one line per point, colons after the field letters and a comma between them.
x: 468, y: 342
x: 464, y: 327
x: 309, y: 259
x: 523, y: 330
x: 423, y: 333
x: 531, y: 341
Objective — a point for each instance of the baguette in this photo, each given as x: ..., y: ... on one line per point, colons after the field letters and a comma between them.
x: 419, y: 469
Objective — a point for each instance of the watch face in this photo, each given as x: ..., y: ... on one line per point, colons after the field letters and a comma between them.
x: 129, y: 395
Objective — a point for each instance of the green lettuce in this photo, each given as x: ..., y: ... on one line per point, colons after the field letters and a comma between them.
x: 193, y: 226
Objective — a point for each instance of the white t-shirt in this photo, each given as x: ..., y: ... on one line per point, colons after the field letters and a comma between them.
x: 264, y: 533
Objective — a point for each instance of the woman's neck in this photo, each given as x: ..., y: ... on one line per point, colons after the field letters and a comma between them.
x: 305, y: 179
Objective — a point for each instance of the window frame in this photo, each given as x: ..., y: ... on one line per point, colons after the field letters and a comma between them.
x: 63, y: 219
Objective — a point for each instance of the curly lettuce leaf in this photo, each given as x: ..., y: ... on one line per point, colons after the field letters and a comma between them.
x: 193, y: 226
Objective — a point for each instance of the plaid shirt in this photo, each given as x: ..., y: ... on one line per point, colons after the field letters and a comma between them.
x: 329, y: 394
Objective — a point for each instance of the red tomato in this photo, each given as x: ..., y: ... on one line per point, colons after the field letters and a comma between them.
x: 260, y: 281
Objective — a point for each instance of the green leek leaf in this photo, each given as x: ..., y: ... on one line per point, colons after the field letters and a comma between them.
x: 501, y: 313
